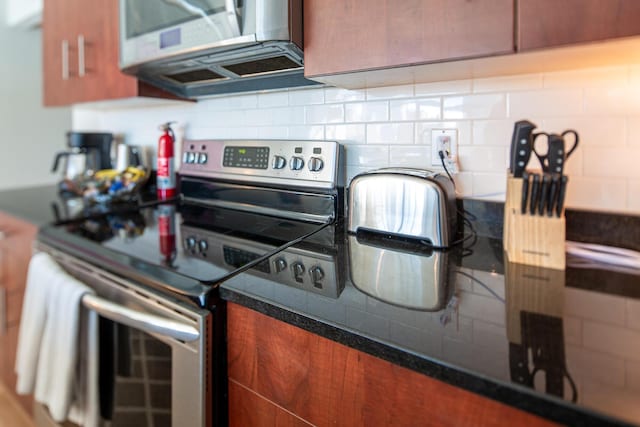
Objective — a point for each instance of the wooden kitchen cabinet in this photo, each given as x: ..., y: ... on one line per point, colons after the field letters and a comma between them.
x: 282, y: 375
x: 357, y: 35
x: 550, y: 23
x: 80, y: 54
x: 15, y: 253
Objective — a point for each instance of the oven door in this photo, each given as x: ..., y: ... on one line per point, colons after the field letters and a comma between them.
x: 151, y: 351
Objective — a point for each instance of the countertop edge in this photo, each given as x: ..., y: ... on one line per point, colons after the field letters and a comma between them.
x: 509, y: 394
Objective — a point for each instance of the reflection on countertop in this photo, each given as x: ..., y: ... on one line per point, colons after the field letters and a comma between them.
x: 520, y: 334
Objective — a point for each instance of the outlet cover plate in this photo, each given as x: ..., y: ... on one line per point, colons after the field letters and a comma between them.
x: 439, y: 138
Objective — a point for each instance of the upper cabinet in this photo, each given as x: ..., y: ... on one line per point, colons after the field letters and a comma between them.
x: 549, y: 23
x: 353, y: 35
x: 80, y: 54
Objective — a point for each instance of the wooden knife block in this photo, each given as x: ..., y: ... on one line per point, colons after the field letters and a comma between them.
x: 531, y: 239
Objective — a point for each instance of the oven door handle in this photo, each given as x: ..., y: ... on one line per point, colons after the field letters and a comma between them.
x: 143, y: 321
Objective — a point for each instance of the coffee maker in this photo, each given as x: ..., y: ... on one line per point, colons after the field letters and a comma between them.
x: 88, y: 153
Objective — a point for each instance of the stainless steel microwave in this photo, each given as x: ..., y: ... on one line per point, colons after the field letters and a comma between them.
x: 196, y: 48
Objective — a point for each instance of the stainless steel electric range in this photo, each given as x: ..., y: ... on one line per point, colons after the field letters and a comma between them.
x: 155, y: 268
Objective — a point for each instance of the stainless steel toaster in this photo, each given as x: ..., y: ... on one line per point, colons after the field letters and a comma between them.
x: 409, y: 203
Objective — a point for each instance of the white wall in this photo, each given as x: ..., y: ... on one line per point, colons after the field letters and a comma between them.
x: 391, y: 126
x: 29, y: 133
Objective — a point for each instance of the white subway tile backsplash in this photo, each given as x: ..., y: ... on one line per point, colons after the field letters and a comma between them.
x: 482, y: 159
x: 598, y: 194
x: 272, y: 99
x: 483, y: 308
x: 376, y: 111
x: 612, y: 100
x: 307, y: 132
x: 633, y: 196
x: 329, y: 113
x: 411, y: 156
x: 347, y: 133
x: 633, y: 131
x: 418, y: 109
x: 545, y: 103
x: 609, y: 163
x: 389, y: 92
x: 492, y: 132
x: 489, y: 186
x: 633, y: 375
x: 306, y: 96
x: 633, y: 313
x: 392, y: 125
x: 443, y: 88
x: 508, y: 83
x: 607, y: 76
x: 334, y: 94
x: 368, y: 155
x: 486, y: 106
x: 390, y: 133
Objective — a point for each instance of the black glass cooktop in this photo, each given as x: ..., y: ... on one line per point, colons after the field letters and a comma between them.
x: 183, y: 248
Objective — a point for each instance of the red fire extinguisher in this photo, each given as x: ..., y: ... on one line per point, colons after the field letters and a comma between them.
x: 166, y: 181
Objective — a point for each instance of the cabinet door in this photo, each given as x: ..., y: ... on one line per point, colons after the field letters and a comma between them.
x: 548, y: 23
x: 97, y: 38
x: 59, y: 18
x: 15, y: 253
x: 353, y: 35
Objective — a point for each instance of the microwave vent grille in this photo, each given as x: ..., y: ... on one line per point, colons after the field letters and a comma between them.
x: 259, y: 66
x: 203, y: 74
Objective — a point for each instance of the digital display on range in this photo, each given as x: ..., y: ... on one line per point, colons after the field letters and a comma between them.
x: 237, y: 258
x: 246, y: 157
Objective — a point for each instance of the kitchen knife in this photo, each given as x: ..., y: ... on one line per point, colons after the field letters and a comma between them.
x: 544, y: 193
x: 535, y: 188
x: 562, y: 189
x: 553, y: 193
x: 556, y: 155
x: 525, y: 191
x: 520, y: 147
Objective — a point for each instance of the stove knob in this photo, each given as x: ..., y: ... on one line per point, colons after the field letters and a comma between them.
x: 280, y: 265
x: 315, y: 164
x: 202, y: 158
x: 190, y: 242
x: 278, y: 162
x: 298, y: 271
x: 185, y: 157
x: 317, y: 274
x: 191, y: 157
x: 203, y: 245
x: 296, y: 163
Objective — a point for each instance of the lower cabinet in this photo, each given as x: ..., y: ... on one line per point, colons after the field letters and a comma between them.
x: 15, y: 253
x: 283, y: 375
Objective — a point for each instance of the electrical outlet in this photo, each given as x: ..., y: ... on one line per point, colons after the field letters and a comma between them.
x: 447, y: 141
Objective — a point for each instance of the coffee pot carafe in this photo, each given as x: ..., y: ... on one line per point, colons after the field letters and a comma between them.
x: 88, y: 153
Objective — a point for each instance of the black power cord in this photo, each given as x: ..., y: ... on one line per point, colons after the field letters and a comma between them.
x: 441, y: 154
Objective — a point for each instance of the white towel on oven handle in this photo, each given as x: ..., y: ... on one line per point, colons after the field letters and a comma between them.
x: 48, y: 341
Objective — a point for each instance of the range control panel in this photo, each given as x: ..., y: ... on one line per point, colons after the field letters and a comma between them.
x: 304, y: 163
x: 294, y: 267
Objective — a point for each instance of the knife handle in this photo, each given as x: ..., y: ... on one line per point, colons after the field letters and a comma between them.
x: 525, y: 192
x: 535, y: 188
x: 544, y: 193
x: 521, y: 146
x: 553, y: 194
x: 561, y: 194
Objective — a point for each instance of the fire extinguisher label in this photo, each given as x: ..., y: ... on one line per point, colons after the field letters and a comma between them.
x: 166, y: 175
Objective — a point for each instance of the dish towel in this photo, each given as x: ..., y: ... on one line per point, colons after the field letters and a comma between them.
x: 48, y: 343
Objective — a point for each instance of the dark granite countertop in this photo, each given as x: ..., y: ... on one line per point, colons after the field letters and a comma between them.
x: 36, y: 205
x: 468, y: 318
x: 561, y: 344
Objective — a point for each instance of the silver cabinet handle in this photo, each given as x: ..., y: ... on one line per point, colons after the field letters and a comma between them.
x: 81, y: 68
x: 143, y: 321
x: 65, y: 60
